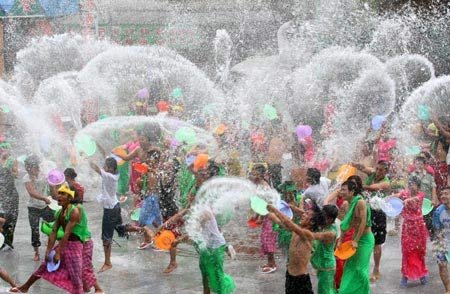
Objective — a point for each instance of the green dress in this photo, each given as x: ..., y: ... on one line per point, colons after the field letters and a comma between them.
x: 355, y: 279
x: 324, y: 262
x: 124, y: 178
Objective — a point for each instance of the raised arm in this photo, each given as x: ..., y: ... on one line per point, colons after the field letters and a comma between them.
x: 385, y: 186
x: 95, y: 167
x: 289, y: 224
x: 362, y: 168
x: 326, y: 237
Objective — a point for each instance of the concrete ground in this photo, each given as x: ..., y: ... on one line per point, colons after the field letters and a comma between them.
x: 140, y: 271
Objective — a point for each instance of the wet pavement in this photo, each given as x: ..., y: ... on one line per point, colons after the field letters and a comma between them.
x: 140, y: 271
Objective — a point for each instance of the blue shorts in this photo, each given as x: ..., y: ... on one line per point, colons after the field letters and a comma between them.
x: 150, y: 213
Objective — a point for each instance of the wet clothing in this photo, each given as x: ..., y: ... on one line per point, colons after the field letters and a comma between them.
x: 88, y: 275
x: 34, y: 215
x: 379, y: 220
x: 112, y: 218
x: 441, y: 222
x: 298, y: 284
x: 211, y: 267
x: 268, y: 237
x: 324, y: 262
x: 355, y: 279
x: 69, y: 274
x: 80, y: 230
x: 108, y: 198
x: 9, y: 200
x: 40, y: 185
x: 413, y: 239
x: 167, y: 190
x: 150, y: 212
x: 124, y: 178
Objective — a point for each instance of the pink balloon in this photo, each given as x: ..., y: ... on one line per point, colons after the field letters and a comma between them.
x: 143, y: 93
x: 303, y: 131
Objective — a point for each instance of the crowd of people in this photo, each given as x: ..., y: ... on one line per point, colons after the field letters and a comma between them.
x: 163, y: 180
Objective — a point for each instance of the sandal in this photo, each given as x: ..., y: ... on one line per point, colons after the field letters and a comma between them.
x: 268, y: 270
x: 144, y: 245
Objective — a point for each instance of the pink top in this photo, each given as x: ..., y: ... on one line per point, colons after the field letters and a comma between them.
x: 412, y: 209
x: 428, y: 168
x: 384, y: 147
x: 132, y: 145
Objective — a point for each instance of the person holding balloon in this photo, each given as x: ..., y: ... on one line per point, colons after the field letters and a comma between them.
x: 414, y: 234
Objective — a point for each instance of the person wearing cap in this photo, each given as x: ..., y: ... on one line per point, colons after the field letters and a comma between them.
x: 414, y: 234
x: 69, y: 249
x: 36, y: 186
x: 9, y: 198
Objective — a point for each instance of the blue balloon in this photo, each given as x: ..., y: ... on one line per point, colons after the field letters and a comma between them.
x: 377, y: 122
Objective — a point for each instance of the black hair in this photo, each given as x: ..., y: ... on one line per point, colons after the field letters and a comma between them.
x: 384, y: 164
x: 420, y: 159
x: 260, y: 168
x: 111, y: 163
x: 314, y: 174
x: 32, y: 161
x: 358, y: 181
x: 318, y: 219
x: 154, y: 154
x: 415, y: 180
x: 213, y: 168
x: 330, y: 211
x: 70, y: 173
x: 352, y: 186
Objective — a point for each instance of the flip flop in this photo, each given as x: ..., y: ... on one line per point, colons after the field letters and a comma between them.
x: 144, y: 245
x: 268, y: 270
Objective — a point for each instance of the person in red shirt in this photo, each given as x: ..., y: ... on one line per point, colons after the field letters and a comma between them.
x: 70, y: 175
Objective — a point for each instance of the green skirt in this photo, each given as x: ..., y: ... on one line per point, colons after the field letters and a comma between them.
x: 325, y: 282
x: 211, y: 266
x: 355, y: 279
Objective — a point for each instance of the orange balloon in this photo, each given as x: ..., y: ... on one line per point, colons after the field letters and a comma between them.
x: 344, y: 172
x: 220, y: 130
x: 252, y: 223
x: 201, y: 161
x: 345, y: 251
x: 163, y: 106
x: 164, y: 240
x: 120, y: 152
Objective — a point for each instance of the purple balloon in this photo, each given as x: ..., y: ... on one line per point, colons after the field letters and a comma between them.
x: 174, y: 143
x: 303, y: 131
x: 143, y: 93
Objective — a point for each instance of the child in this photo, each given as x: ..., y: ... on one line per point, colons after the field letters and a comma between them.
x: 111, y: 207
x: 211, y: 250
x: 322, y: 258
x: 70, y: 175
x: 3, y: 273
x: 36, y: 186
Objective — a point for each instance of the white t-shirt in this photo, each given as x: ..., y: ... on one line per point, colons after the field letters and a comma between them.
x: 211, y: 235
x: 40, y: 185
x: 108, y: 198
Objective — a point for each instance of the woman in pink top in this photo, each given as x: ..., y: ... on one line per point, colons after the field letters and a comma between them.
x: 414, y: 234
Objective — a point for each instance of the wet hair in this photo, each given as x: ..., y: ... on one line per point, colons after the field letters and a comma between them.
x: 318, y: 218
x: 357, y: 180
x: 32, y: 161
x: 213, y: 168
x: 70, y: 173
x: 414, y: 180
x: 330, y: 211
x: 426, y: 155
x: 420, y: 159
x: 352, y: 186
x: 384, y: 164
x: 314, y: 174
x: 154, y: 154
x: 260, y: 168
x: 152, y: 132
x: 111, y: 164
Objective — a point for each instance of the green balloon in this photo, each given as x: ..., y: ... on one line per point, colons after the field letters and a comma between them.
x: 186, y: 135
x: 423, y: 112
x: 258, y: 205
x: 427, y: 206
x: 47, y: 229
x: 102, y: 116
x: 177, y: 93
x: 86, y: 144
x: 270, y: 112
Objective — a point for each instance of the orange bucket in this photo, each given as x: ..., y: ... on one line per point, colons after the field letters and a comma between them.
x: 141, y: 168
x: 120, y: 152
x: 201, y: 161
x: 345, y: 172
x: 164, y: 240
x: 345, y: 251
